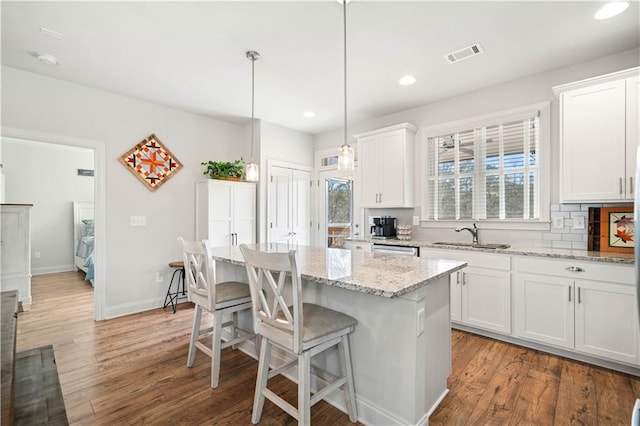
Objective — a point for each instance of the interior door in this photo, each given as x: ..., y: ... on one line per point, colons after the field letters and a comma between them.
x: 301, y: 206
x: 280, y: 209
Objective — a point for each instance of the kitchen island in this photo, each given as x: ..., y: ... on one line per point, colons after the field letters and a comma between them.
x: 401, y: 347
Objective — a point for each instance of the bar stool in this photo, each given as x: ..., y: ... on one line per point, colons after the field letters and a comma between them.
x: 172, y: 297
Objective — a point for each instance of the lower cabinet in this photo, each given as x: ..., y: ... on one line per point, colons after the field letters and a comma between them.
x: 586, y: 307
x: 480, y: 295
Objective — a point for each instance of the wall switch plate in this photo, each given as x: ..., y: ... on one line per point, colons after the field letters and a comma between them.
x: 416, y: 220
x: 137, y: 221
x: 557, y: 222
x: 420, y: 321
x: 159, y: 276
x: 578, y: 222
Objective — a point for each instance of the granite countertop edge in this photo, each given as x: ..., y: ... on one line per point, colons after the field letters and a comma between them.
x: 602, y: 257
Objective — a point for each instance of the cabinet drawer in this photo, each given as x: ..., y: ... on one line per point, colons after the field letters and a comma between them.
x: 491, y: 261
x: 358, y: 245
x: 568, y: 268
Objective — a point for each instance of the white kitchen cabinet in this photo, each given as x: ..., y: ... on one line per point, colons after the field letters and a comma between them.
x: 586, y: 307
x: 225, y: 212
x: 386, y: 166
x: 598, y: 137
x: 15, y: 252
x: 358, y: 245
x: 481, y: 292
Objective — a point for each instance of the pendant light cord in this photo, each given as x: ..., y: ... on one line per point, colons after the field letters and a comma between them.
x: 344, y: 14
x: 253, y: 64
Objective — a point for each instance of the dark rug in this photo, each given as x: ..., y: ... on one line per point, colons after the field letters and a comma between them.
x: 38, y: 394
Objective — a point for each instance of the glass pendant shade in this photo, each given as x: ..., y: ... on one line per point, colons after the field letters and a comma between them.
x: 346, y: 158
x: 251, y: 172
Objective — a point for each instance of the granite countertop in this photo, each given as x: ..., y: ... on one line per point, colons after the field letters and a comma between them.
x: 592, y: 256
x: 371, y: 273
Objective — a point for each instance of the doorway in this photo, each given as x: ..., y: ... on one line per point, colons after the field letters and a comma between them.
x: 336, y: 208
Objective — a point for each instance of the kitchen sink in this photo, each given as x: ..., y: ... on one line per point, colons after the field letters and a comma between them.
x: 470, y: 245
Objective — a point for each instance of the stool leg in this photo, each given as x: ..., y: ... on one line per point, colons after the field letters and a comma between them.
x: 182, y: 275
x: 172, y: 298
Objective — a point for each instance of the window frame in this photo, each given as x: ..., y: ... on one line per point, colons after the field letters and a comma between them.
x: 542, y: 109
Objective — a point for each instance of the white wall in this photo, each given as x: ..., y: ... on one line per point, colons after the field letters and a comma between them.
x: 46, y: 175
x: 525, y: 91
x: 133, y: 255
x: 281, y: 144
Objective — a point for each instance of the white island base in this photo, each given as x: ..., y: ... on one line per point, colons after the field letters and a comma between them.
x: 401, y: 359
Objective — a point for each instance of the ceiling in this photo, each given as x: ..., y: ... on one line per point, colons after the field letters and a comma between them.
x: 191, y: 55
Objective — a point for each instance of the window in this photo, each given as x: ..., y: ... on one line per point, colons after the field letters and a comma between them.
x: 487, y: 172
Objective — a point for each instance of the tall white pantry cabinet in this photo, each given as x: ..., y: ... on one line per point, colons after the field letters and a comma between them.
x: 15, y: 252
x: 225, y: 212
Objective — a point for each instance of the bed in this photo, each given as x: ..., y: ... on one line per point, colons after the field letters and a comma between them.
x: 83, y: 237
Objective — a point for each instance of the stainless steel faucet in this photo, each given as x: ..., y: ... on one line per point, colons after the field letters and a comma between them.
x: 474, y: 232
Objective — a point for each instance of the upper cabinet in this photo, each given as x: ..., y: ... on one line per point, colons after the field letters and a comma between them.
x: 386, y: 166
x: 599, y: 121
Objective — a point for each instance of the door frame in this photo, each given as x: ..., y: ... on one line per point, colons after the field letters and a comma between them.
x: 99, y: 155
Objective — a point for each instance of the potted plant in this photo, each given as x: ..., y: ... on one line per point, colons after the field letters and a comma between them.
x: 224, y: 169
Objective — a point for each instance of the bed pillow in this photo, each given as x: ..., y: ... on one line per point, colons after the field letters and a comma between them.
x: 88, y: 228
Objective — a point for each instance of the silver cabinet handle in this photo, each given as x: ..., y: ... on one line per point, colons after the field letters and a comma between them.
x: 579, y: 296
x: 569, y: 293
x: 464, y: 278
x: 630, y: 185
x: 381, y: 198
x: 458, y: 278
x: 620, y: 186
x: 574, y: 269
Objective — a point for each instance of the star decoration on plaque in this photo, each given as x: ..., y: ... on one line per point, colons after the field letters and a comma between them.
x: 151, y: 162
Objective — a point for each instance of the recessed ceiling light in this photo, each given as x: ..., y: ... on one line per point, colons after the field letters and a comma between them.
x: 407, y: 80
x: 309, y: 114
x: 47, y: 59
x: 611, y: 9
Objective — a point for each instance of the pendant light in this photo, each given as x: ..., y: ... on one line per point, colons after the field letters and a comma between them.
x: 346, y: 155
x: 252, y: 173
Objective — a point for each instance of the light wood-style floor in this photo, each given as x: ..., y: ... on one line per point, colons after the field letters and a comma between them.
x: 132, y: 370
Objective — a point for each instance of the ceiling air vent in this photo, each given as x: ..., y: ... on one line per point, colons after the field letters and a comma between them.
x: 467, y: 52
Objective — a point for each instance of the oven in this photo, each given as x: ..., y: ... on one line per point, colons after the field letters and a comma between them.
x: 395, y: 249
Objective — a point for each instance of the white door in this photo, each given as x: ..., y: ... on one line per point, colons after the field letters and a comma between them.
x: 301, y: 206
x: 544, y: 309
x: 391, y: 172
x: 220, y: 214
x: 244, y: 213
x: 289, y: 205
x: 486, y: 298
x: 336, y: 208
x: 606, y: 322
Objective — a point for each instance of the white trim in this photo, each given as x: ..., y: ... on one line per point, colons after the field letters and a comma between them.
x: 53, y: 269
x: 99, y: 156
x: 400, y: 126
x: 278, y: 163
x: 618, y: 75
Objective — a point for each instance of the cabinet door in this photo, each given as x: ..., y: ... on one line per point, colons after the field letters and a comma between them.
x: 220, y: 208
x: 486, y: 299
x: 633, y: 132
x: 606, y: 321
x: 544, y: 309
x: 391, y: 170
x: 456, y: 296
x: 593, y: 143
x: 369, y: 161
x: 244, y: 213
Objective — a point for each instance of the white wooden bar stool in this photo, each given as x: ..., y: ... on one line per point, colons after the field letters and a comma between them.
x: 217, y: 298
x: 302, y: 329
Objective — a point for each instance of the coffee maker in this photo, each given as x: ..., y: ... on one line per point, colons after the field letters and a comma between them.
x: 383, y: 227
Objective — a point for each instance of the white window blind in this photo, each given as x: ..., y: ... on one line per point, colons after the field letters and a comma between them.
x: 485, y: 172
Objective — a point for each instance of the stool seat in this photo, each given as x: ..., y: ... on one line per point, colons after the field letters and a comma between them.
x: 179, y: 264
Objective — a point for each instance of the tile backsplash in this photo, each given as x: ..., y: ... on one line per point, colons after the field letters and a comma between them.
x: 568, y: 236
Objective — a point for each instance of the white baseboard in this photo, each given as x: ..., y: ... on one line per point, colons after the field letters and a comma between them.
x: 52, y: 269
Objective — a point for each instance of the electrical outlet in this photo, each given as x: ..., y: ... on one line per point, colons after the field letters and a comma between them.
x: 36, y: 255
x: 578, y: 222
x: 137, y: 221
x: 557, y: 222
x: 159, y: 277
x: 420, y: 322
x: 416, y: 220
x: 370, y: 220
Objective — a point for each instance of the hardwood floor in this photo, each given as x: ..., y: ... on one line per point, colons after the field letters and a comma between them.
x: 132, y: 370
